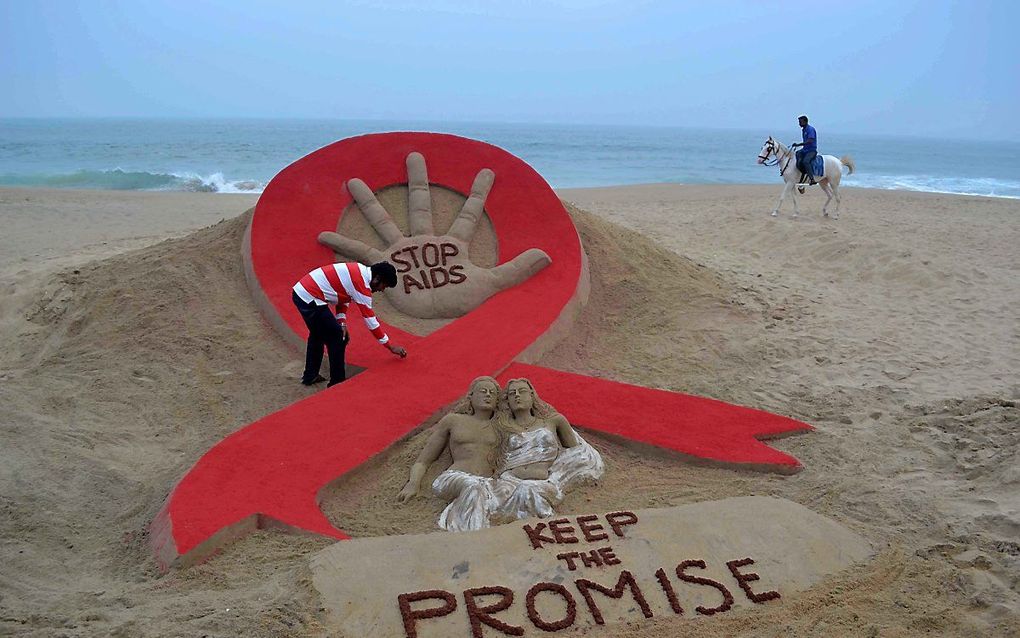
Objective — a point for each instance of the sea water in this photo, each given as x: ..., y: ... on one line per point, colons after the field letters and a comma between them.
x: 242, y: 155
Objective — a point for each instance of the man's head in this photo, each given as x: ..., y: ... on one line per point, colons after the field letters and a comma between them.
x: 384, y: 276
x: 802, y: 120
x: 484, y: 395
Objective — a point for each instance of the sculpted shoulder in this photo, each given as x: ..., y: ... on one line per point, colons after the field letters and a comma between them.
x: 559, y: 420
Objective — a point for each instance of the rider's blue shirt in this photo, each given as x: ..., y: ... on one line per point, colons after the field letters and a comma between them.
x: 810, y: 138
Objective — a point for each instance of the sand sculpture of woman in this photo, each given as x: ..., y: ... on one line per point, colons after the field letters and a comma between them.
x: 469, y: 432
x: 540, y: 455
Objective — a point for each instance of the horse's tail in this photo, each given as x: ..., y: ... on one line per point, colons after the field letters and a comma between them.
x: 848, y: 161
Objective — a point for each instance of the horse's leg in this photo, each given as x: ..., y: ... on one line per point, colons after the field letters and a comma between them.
x: 796, y: 206
x: 834, y: 180
x: 827, y: 187
x: 782, y: 196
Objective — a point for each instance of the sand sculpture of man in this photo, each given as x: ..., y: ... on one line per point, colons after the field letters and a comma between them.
x: 540, y: 455
x: 469, y: 432
x: 511, y: 459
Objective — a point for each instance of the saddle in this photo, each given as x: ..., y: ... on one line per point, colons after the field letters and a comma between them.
x: 817, y: 170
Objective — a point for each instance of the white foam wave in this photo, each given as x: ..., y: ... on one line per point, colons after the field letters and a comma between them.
x: 984, y: 186
x: 214, y: 183
x: 133, y: 180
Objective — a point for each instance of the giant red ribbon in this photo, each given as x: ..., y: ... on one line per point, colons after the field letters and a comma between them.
x: 271, y: 471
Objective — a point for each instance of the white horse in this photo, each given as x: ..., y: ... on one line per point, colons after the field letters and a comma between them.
x: 787, y: 162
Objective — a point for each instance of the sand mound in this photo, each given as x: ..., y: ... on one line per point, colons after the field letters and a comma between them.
x: 117, y: 376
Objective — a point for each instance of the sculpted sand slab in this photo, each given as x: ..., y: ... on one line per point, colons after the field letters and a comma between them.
x: 582, y: 571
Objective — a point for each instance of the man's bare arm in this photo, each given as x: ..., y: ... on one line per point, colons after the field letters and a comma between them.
x: 433, y: 448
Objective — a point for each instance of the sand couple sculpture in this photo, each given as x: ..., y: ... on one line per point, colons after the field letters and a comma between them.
x: 514, y: 456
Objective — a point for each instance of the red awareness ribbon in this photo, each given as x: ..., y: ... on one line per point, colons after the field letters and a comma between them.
x: 271, y: 472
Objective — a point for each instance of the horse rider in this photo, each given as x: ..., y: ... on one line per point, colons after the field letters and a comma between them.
x: 808, y: 151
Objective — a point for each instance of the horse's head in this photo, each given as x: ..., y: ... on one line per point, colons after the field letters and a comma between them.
x: 768, y: 149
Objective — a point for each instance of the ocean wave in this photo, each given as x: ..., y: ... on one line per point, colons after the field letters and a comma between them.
x: 985, y: 186
x: 121, y: 180
x: 186, y: 181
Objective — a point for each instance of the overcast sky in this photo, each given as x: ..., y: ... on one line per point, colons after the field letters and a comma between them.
x: 935, y: 68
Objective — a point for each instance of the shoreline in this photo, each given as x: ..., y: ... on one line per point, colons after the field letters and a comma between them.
x: 778, y: 185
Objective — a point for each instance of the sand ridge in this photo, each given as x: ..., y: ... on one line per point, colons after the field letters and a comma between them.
x: 892, y: 331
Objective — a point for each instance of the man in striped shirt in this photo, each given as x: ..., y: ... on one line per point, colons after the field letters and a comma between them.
x: 339, y: 284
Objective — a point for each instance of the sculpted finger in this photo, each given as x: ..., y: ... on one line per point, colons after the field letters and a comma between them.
x: 351, y: 248
x: 374, y: 212
x: 419, y: 199
x: 520, y: 268
x: 467, y: 220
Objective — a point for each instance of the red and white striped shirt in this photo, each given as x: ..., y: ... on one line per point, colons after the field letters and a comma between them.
x: 340, y: 284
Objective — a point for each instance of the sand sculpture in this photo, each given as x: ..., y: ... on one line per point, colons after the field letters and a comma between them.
x: 437, y: 279
x: 513, y: 456
x: 270, y: 472
x: 541, y: 455
x: 469, y: 433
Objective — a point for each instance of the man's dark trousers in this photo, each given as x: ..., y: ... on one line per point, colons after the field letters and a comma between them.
x: 804, y: 160
x: 323, y: 330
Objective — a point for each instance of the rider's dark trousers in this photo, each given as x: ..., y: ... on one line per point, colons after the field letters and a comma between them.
x: 804, y: 160
x: 323, y: 330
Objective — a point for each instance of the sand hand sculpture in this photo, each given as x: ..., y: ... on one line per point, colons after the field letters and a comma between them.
x: 436, y: 277
x: 512, y: 459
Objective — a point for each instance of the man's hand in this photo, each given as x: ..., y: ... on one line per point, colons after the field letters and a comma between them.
x: 397, y: 350
x: 344, y: 335
x: 410, y: 491
x: 436, y: 277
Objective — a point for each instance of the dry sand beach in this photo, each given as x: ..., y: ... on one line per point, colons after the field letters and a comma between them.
x: 131, y: 346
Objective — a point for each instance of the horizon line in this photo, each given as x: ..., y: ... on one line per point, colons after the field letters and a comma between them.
x: 304, y: 118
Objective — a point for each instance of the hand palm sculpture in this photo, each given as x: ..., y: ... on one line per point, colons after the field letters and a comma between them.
x: 437, y: 278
